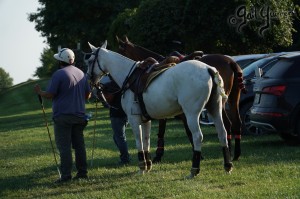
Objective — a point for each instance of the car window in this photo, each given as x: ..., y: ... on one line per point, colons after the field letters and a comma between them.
x: 244, y: 63
x: 269, y: 65
x: 284, y: 68
x: 251, y: 67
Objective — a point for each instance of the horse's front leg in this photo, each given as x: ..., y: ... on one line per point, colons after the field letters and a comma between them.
x: 137, y: 131
x: 160, y: 140
x: 142, y: 138
x: 146, y: 129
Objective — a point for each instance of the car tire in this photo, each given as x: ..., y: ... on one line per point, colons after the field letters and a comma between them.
x: 292, y: 139
x: 247, y: 127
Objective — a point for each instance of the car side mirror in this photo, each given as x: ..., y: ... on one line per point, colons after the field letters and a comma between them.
x: 258, y: 72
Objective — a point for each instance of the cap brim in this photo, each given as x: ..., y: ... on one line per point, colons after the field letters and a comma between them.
x: 57, y: 57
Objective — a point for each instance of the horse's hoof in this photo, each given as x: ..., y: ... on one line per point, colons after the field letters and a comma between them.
x: 141, y: 172
x: 156, y: 160
x: 194, y: 172
x: 191, y: 176
x: 228, y: 167
x: 235, y: 158
x: 228, y: 172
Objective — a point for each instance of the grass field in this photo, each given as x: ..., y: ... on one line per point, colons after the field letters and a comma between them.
x: 268, y: 168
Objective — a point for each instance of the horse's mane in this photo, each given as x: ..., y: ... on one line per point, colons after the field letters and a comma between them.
x: 153, y: 54
x: 120, y: 55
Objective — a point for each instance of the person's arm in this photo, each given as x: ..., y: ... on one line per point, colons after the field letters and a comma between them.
x: 43, y: 94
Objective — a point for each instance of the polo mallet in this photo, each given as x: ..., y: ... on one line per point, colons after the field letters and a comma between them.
x: 46, y: 123
x: 94, y: 134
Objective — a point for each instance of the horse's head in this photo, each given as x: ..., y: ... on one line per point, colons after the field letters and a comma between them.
x: 127, y: 49
x: 136, y: 52
x: 95, y: 69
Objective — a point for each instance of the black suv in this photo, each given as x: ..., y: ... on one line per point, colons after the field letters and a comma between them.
x: 246, y: 100
x: 276, y: 105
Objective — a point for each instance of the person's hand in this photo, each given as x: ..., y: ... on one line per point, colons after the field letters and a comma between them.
x: 37, y: 89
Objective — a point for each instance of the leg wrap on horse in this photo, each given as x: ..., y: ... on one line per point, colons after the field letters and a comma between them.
x: 229, y: 142
x: 148, y: 160
x: 227, y: 162
x: 159, y: 150
x: 195, y: 170
x: 237, y: 149
x: 160, y: 147
x: 145, y: 162
x: 142, y: 161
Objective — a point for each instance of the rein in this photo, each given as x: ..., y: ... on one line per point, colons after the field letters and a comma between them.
x: 99, y: 88
x: 125, y: 85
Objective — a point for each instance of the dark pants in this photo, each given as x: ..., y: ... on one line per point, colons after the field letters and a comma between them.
x: 68, y: 130
x: 118, y: 125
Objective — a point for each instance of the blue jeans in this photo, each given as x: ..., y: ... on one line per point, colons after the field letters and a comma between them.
x: 118, y: 125
x: 68, y: 131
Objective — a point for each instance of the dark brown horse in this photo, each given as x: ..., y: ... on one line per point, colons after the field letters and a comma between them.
x: 232, y: 76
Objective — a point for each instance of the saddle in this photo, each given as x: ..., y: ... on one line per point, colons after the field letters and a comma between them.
x: 148, y: 70
x: 144, y: 74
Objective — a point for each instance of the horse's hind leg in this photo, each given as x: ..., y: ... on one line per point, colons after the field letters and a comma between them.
x: 160, y: 140
x: 222, y: 135
x: 236, y: 122
x: 227, y: 124
x: 188, y: 132
x: 193, y: 124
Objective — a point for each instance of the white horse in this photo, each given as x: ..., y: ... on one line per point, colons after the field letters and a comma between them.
x: 187, y: 87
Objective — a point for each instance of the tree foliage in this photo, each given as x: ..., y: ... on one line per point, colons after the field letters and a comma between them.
x: 228, y: 27
x: 67, y: 22
x: 49, y: 64
x: 5, y: 80
x: 206, y: 26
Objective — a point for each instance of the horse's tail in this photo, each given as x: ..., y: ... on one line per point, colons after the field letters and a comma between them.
x: 238, y: 75
x: 218, y: 81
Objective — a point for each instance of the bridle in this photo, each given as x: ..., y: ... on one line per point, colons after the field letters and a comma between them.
x: 99, y: 87
x: 91, y: 75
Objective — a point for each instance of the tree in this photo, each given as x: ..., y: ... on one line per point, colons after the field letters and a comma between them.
x: 206, y: 25
x: 5, y: 80
x: 49, y: 64
x: 67, y: 22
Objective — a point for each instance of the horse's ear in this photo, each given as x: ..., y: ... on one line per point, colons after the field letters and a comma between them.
x: 93, y: 48
x: 104, y: 44
x: 118, y: 39
x: 126, y: 39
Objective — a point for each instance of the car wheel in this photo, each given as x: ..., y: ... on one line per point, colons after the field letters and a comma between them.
x: 247, y: 127
x: 292, y: 139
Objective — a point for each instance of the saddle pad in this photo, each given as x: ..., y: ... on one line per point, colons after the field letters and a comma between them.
x: 157, y: 72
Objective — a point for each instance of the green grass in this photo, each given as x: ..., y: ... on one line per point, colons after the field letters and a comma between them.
x: 268, y: 168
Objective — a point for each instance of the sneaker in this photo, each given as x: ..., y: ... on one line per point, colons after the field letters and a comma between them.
x: 63, y: 180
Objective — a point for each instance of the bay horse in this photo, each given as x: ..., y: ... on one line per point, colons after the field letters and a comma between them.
x: 169, y: 94
x: 232, y: 76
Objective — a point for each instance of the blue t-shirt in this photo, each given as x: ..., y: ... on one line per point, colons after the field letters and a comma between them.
x: 69, y: 87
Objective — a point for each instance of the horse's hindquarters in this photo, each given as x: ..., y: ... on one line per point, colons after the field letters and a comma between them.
x: 185, y: 87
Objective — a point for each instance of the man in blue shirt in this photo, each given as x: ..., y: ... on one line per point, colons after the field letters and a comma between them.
x: 68, y: 89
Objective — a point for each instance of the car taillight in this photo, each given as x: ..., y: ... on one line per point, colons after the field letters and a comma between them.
x: 275, y: 90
